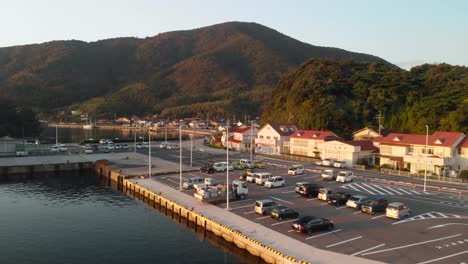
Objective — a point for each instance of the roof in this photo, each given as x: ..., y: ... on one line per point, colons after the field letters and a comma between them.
x: 232, y: 139
x: 240, y: 129
x: 464, y: 143
x: 364, y: 144
x: 445, y: 139
x: 383, y: 131
x: 284, y: 129
x: 312, y: 134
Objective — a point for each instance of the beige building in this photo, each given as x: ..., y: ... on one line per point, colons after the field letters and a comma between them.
x: 271, y: 138
x: 409, y: 151
x: 348, y: 151
x: 369, y: 133
x: 462, y: 152
x: 241, y: 138
x: 305, y: 142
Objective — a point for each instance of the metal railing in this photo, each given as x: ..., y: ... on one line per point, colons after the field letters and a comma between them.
x: 429, y: 177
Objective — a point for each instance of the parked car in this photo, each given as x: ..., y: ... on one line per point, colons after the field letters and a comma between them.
x: 265, y: 206
x: 356, y: 201
x: 318, y: 162
x: 55, y: 148
x: 103, y: 141
x: 243, y: 175
x: 397, y: 210
x: 227, y: 165
x: 338, y: 198
x: 259, y: 165
x: 262, y: 177
x: 300, y: 184
x: 194, y: 180
x: 172, y: 146
x: 238, y: 166
x: 327, y: 162
x: 275, y: 181
x: 248, y: 163
x: 207, y: 169
x: 307, y: 224
x: 125, y: 146
x: 218, y: 167
x: 63, y: 148
x: 309, y: 190
x: 345, y: 176
x: 88, y: 149
x: 324, y: 193
x: 250, y: 177
x: 339, y: 164
x: 328, y: 175
x: 282, y: 212
x: 164, y: 145
x: 374, y: 205
x: 296, y: 170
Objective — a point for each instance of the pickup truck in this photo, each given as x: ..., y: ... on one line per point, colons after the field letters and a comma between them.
x: 218, y: 194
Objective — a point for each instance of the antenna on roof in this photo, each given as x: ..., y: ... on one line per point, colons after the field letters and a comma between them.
x: 379, y: 116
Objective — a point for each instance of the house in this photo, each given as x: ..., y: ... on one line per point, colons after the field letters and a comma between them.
x: 462, y: 151
x: 348, y: 151
x: 305, y: 142
x: 242, y: 138
x: 409, y: 151
x: 370, y: 133
x: 271, y: 138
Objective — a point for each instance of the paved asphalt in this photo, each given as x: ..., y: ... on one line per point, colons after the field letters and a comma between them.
x: 435, y: 232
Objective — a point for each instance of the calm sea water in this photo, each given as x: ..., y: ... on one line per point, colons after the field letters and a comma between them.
x: 76, y: 219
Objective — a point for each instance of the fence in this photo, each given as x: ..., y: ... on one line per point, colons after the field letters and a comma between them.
x: 429, y: 177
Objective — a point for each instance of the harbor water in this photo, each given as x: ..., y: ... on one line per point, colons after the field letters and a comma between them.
x: 77, y: 218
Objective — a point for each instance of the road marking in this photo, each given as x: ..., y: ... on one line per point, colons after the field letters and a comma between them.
x: 331, y: 232
x: 441, y: 258
x: 251, y: 212
x: 342, y: 242
x: 292, y: 230
x: 288, y: 192
x: 373, y: 188
x: 352, y: 186
x: 410, y: 245
x: 365, y: 250
x: 309, y: 177
x: 280, y: 200
x: 358, y: 212
x: 415, y: 192
x: 323, y: 204
x: 341, y: 207
x: 241, y: 201
x: 283, y: 222
x: 405, y: 191
x: 178, y: 183
x: 259, y: 218
x: 424, y: 201
x: 382, y: 188
x: 235, y: 208
x: 365, y: 190
x: 393, y: 189
x: 375, y: 217
x: 444, y: 225
x: 311, y: 199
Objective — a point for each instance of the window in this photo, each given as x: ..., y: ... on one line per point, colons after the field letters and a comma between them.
x: 261, y: 137
x: 410, y: 149
x: 386, y: 149
x: 268, y: 137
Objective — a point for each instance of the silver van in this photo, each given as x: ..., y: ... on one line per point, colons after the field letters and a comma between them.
x: 247, y: 163
x: 195, y: 180
x: 262, y: 177
x: 264, y: 207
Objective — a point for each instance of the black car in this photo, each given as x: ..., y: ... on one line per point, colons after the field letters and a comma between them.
x: 282, y: 212
x: 309, y: 190
x: 207, y: 169
x: 374, y: 205
x: 338, y: 198
x: 307, y: 224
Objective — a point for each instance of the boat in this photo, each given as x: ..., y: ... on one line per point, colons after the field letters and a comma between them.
x: 90, y: 125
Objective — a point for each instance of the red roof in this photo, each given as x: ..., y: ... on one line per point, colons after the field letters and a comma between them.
x: 240, y: 129
x: 364, y: 144
x: 232, y: 139
x: 464, y: 143
x: 312, y: 134
x: 445, y: 139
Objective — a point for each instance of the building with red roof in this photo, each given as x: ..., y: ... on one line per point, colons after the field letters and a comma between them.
x: 305, y: 142
x: 409, y: 151
x: 462, y: 151
x: 348, y: 151
x: 242, y: 138
x: 271, y: 138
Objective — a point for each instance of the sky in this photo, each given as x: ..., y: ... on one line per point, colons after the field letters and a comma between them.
x: 405, y: 33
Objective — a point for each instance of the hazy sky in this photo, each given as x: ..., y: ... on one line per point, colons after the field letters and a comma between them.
x: 405, y: 33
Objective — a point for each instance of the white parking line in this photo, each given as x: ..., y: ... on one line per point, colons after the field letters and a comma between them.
x: 281, y: 200
x: 393, y: 189
x: 353, y: 187
x: 358, y: 212
x: 341, y: 207
x: 241, y: 201
x: 235, y: 208
x: 415, y: 192
x: 292, y: 230
x: 441, y: 258
x: 323, y: 204
x: 309, y: 177
x: 283, y: 222
x: 342, y: 242
x: 178, y: 183
x: 289, y: 191
x: 259, y: 218
x: 251, y: 212
x: 405, y: 191
x: 382, y: 188
x: 377, y: 191
x: 311, y: 199
x: 375, y: 217
x: 410, y: 245
x: 331, y: 232
x: 365, y: 250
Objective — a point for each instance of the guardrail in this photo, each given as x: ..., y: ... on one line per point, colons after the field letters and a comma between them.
x: 429, y: 177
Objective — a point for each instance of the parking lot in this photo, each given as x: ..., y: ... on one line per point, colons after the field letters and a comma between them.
x: 435, y: 232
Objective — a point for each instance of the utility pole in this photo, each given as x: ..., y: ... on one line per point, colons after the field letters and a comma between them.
x: 180, y: 155
x: 149, y: 153
x: 379, y: 117
x: 427, y: 150
x: 227, y: 165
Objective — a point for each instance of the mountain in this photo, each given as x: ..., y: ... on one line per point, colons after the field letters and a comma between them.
x: 229, y: 67
x: 343, y: 96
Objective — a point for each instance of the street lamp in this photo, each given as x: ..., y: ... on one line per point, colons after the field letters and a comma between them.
x: 149, y: 152
x: 191, y: 150
x: 251, y: 139
x: 227, y: 166
x: 425, y: 166
x: 180, y: 156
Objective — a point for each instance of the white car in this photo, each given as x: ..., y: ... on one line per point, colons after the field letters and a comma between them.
x: 172, y: 146
x: 55, y: 148
x: 250, y: 177
x: 275, y: 181
x: 164, y: 145
x: 344, y: 176
x: 327, y: 162
x: 339, y: 164
x: 397, y: 210
x: 227, y: 165
x: 324, y: 193
x: 103, y: 141
x: 88, y: 149
x: 219, y: 167
x: 296, y: 169
x: 63, y: 148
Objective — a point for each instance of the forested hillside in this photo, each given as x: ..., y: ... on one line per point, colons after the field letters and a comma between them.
x: 344, y: 96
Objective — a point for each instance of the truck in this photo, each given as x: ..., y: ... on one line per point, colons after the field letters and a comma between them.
x: 328, y: 175
x: 218, y: 194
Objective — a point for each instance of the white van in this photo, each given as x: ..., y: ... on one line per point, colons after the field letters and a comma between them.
x: 397, y: 210
x: 345, y: 176
x: 247, y: 163
x: 328, y: 175
x: 218, y: 167
x: 327, y: 162
x: 339, y: 164
x: 250, y: 177
x: 191, y: 182
x: 227, y: 166
x: 264, y: 206
x: 172, y: 146
x: 296, y: 169
x: 275, y: 181
x: 262, y: 177
x: 324, y: 193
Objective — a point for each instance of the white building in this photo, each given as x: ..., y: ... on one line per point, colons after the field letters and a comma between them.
x: 348, y: 151
x: 462, y: 152
x: 305, y: 142
x: 241, y: 138
x: 271, y: 138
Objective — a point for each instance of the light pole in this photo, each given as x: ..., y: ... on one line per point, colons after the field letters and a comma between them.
x: 149, y: 152
x: 227, y: 166
x: 191, y: 150
x: 425, y: 166
x: 134, y: 132
x: 180, y: 156
x: 251, y: 139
